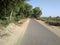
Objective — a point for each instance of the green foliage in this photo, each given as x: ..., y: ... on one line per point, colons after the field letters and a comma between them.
x: 16, y: 10
x: 52, y: 21
x: 42, y: 19
x: 37, y: 12
x: 5, y: 22
x: 55, y: 23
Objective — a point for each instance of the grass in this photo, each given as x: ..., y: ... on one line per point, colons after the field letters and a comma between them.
x: 51, y: 21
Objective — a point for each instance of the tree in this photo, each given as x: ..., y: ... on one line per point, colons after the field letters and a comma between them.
x: 28, y: 10
x: 57, y: 17
x: 25, y: 9
x: 36, y: 12
x: 17, y: 9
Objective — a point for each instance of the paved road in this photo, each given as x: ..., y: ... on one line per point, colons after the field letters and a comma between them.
x: 36, y: 34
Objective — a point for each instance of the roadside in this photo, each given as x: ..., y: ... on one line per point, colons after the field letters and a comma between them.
x: 12, y: 33
x: 54, y: 29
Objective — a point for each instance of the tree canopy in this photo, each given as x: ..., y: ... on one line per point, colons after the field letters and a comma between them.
x: 17, y: 9
x: 37, y: 12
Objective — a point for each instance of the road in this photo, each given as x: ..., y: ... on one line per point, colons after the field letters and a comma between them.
x: 37, y: 34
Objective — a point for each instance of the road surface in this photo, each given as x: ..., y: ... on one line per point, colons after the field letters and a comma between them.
x: 37, y: 34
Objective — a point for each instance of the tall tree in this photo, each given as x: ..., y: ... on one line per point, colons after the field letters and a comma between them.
x: 37, y: 12
x: 28, y: 10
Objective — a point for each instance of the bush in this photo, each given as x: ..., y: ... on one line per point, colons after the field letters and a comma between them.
x: 41, y: 19
x: 55, y: 23
x: 5, y: 22
x: 52, y: 21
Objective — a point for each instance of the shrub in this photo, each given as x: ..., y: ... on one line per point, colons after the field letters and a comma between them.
x: 5, y: 22
x: 41, y: 19
x: 55, y: 23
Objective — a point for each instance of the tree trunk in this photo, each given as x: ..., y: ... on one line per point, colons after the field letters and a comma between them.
x: 11, y: 15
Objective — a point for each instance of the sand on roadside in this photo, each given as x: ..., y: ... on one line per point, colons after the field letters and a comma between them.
x: 14, y: 32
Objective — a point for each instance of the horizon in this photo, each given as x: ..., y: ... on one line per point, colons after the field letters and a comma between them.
x: 48, y: 7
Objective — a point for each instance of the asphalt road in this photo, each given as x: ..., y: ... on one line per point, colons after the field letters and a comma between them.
x: 37, y: 34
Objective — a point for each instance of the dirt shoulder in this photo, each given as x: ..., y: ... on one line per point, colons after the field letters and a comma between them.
x: 14, y: 32
x: 54, y: 29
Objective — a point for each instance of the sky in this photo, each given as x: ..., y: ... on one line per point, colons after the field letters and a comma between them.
x: 48, y: 7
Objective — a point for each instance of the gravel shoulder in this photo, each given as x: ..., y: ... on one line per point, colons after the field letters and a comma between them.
x: 54, y: 29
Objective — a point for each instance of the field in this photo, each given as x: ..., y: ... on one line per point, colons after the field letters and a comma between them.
x: 51, y: 20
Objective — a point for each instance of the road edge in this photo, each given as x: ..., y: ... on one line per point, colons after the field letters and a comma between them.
x: 57, y: 32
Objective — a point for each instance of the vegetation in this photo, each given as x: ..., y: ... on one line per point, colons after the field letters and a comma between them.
x: 15, y: 10
x: 37, y: 12
x: 52, y: 20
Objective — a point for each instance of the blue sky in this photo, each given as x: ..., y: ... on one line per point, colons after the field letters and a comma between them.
x: 48, y: 7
